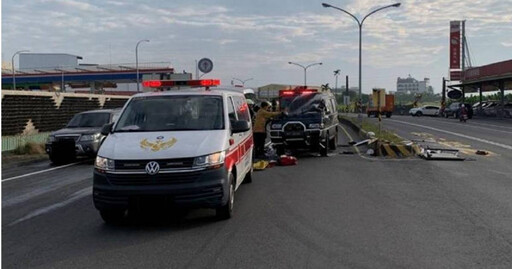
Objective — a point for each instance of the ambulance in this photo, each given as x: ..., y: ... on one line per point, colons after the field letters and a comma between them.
x: 190, y: 147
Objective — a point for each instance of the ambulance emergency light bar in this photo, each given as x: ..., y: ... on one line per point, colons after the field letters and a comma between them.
x: 172, y: 83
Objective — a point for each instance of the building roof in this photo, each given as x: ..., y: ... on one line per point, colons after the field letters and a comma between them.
x: 67, y: 54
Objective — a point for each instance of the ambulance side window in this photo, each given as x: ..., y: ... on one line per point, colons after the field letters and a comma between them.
x: 231, y: 110
x: 242, y: 109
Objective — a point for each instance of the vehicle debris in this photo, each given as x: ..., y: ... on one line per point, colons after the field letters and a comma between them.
x: 441, y: 154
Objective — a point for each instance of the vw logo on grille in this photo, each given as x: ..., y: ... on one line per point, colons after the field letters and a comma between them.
x: 152, y: 168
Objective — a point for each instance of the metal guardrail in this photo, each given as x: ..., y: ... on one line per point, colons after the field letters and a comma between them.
x: 10, y: 143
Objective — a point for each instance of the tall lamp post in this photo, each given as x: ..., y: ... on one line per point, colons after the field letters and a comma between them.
x: 14, y: 69
x: 243, y: 81
x: 336, y: 74
x: 305, y: 68
x: 360, y: 23
x: 137, y: 61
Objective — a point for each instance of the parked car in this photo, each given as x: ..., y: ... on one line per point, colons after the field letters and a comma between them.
x: 424, y: 110
x: 453, y: 110
x: 492, y: 110
x: 80, y: 137
x: 192, y: 148
x: 311, y: 124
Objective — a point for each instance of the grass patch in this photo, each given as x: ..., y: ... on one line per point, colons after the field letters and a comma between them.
x: 369, y: 126
x: 30, y: 148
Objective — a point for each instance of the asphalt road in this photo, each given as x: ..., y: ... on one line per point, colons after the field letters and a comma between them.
x: 343, y: 211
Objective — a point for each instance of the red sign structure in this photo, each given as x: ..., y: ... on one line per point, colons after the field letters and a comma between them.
x: 455, y: 75
x: 455, y: 44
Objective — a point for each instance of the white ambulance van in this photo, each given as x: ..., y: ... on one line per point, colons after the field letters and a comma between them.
x: 191, y: 147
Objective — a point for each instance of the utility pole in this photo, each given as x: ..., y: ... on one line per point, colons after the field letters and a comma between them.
x: 463, y: 40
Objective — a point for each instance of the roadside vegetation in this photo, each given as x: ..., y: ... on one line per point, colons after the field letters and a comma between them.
x: 369, y: 126
x: 29, y: 148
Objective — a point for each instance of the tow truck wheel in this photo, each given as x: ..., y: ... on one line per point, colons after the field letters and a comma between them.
x: 333, y: 143
x: 324, y: 146
x: 226, y: 211
x: 279, y: 150
x: 113, y: 216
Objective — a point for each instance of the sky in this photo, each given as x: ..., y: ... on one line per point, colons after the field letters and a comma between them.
x: 257, y: 39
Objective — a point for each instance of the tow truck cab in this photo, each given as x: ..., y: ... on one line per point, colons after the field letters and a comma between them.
x: 310, y: 124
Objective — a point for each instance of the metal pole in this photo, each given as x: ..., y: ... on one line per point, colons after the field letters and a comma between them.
x: 360, y: 84
x: 14, y: 69
x: 463, y: 40
x: 137, y: 61
x: 305, y: 84
x: 346, y: 85
x: 336, y: 87
x: 360, y: 23
x: 197, y: 71
x: 13, y: 73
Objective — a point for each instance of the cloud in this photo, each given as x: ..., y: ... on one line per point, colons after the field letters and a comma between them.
x: 252, y: 36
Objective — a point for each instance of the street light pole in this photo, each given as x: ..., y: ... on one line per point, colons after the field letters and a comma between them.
x: 336, y: 74
x: 360, y: 23
x: 137, y: 61
x: 243, y: 81
x: 14, y: 69
x: 305, y: 68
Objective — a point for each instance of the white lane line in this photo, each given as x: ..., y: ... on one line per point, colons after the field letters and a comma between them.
x: 39, y: 172
x: 473, y: 124
x: 73, y: 197
x: 457, y: 134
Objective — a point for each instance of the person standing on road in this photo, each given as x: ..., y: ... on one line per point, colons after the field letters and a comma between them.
x: 260, y: 132
x: 463, y: 113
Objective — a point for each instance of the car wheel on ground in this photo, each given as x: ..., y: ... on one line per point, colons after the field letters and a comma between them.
x: 248, y: 176
x: 279, y: 150
x: 226, y: 211
x: 419, y: 114
x: 324, y: 146
x: 113, y: 216
x: 333, y: 143
x: 388, y: 115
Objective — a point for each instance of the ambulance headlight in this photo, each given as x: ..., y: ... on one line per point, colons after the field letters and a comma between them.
x: 103, y: 164
x: 213, y: 160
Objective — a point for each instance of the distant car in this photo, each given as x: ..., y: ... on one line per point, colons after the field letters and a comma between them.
x: 492, y: 110
x: 424, y: 111
x: 81, y: 136
x: 453, y: 110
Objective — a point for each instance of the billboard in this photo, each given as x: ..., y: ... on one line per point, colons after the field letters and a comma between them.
x: 455, y: 44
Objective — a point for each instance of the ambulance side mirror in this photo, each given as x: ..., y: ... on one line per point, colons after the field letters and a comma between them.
x: 240, y: 126
x: 106, y: 129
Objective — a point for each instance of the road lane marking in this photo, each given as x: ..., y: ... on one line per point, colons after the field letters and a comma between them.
x: 349, y: 137
x: 73, y: 197
x: 39, y: 172
x: 457, y: 134
x: 473, y: 124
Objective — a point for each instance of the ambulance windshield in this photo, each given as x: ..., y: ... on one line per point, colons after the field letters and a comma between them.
x: 172, y: 113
